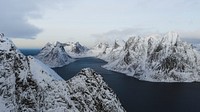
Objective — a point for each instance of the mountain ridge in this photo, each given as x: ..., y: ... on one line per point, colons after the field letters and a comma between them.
x: 162, y: 59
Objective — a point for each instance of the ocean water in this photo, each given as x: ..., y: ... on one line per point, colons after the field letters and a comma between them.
x: 140, y: 96
x: 30, y: 51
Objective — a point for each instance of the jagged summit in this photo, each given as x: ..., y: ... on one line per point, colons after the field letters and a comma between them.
x: 102, y: 45
x: 48, y: 44
x: 54, y: 55
x: 1, y: 35
x: 76, y: 49
x: 157, y: 58
x: 99, y: 49
x: 6, y: 44
x: 112, y: 52
x: 171, y: 38
x: 118, y: 44
x: 59, y: 44
x: 26, y: 84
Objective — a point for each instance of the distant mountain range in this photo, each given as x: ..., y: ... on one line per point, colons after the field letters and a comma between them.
x: 160, y: 58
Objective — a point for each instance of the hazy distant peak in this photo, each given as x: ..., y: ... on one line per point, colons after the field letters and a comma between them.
x: 171, y: 38
x: 1, y: 35
x: 54, y: 55
x: 75, y: 49
x: 77, y: 43
x: 48, y: 44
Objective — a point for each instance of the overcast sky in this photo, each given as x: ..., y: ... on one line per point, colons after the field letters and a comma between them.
x: 33, y: 23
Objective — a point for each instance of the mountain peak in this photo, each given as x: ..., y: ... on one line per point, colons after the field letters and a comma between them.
x: 59, y: 44
x: 75, y: 49
x: 1, y: 35
x: 54, y: 55
x: 77, y: 43
x: 48, y: 45
x: 116, y: 45
x: 171, y: 38
x: 6, y: 44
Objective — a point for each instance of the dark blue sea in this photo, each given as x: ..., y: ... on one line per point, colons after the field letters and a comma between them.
x: 31, y: 52
x: 135, y: 95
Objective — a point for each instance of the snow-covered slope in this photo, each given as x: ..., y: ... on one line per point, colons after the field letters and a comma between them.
x: 75, y: 49
x: 99, y: 49
x: 113, y: 52
x: 158, y: 58
x: 28, y: 85
x: 54, y: 55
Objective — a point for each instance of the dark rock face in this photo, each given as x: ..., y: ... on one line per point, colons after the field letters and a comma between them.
x: 76, y: 48
x: 127, y: 58
x: 116, y: 45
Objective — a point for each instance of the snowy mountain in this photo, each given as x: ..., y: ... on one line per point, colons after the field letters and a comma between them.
x: 113, y: 52
x: 75, y: 49
x: 54, y: 55
x: 99, y: 49
x: 158, y: 58
x: 107, y: 51
x: 26, y: 84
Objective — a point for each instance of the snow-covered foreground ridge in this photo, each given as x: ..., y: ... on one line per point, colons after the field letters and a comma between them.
x: 26, y: 84
x: 156, y: 58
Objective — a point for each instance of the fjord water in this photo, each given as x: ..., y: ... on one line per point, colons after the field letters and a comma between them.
x: 31, y: 52
x: 140, y: 96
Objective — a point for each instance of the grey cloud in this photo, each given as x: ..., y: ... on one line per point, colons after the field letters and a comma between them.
x: 13, y: 18
x: 122, y: 34
x: 189, y: 36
